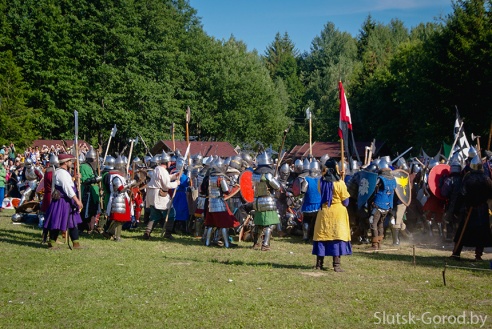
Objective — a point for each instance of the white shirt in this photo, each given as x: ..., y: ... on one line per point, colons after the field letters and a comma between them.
x: 64, y: 179
x: 160, y: 180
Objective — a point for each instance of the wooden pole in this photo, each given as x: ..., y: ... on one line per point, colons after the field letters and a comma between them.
x: 310, y: 136
x: 465, y: 224
x: 342, y: 160
x: 454, y: 143
x: 172, y: 136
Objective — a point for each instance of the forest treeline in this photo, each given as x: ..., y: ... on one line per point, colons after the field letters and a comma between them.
x: 140, y: 64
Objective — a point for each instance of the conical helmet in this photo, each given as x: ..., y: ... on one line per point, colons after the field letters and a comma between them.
x: 120, y: 163
x: 305, y: 165
x: 476, y: 163
x: 264, y: 159
x: 323, y: 160
x: 91, y: 155
x: 109, y: 162
x: 472, y: 152
x: 165, y: 158
x: 54, y: 160
x: 298, y: 166
x: 284, y: 171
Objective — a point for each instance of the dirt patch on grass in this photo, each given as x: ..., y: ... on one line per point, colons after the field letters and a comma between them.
x: 313, y: 274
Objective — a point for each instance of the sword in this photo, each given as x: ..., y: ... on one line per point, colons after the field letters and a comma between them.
x: 146, y: 147
x: 396, y: 159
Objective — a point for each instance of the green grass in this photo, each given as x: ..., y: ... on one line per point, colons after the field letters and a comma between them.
x: 182, y: 284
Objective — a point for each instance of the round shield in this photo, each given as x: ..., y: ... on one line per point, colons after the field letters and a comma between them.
x: 436, y: 175
x: 246, y: 186
x: 296, y: 187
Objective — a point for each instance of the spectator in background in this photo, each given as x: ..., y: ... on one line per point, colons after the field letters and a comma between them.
x: 11, y: 152
x: 3, y: 176
x: 2, y: 150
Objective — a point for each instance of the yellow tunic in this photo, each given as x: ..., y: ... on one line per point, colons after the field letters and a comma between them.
x: 333, y: 223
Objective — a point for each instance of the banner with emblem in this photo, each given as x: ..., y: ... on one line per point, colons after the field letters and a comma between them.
x: 367, y: 185
x: 403, y: 187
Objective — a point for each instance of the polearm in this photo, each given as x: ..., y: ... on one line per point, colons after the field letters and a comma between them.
x: 172, y: 198
x: 308, y: 116
x: 188, y: 118
x: 369, y: 157
x: 113, y: 133
x: 280, y: 152
x: 77, y: 162
x: 172, y: 137
x: 454, y: 143
x: 132, y: 141
x: 490, y: 136
x: 146, y: 147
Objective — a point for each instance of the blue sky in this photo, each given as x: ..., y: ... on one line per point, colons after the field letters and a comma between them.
x: 257, y: 21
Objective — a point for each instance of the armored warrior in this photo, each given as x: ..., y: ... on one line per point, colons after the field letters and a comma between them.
x: 197, y: 166
x: 90, y: 191
x: 217, y: 213
x: 180, y: 202
x: 118, y: 209
x: 451, y: 190
x: 31, y: 175
x: 397, y: 224
x: 266, y: 215
x: 382, y: 203
x: 311, y: 201
x: 433, y: 208
x: 283, y: 193
x: 474, y: 228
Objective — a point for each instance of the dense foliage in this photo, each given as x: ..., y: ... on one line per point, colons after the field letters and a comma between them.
x: 139, y: 64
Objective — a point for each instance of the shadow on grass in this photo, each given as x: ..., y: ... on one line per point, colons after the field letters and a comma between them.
x: 427, y: 261
x: 265, y: 264
x: 22, y: 238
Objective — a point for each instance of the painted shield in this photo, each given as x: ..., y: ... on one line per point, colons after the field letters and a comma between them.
x: 403, y: 187
x: 436, y: 176
x: 246, y: 186
x: 296, y: 186
x: 367, y: 185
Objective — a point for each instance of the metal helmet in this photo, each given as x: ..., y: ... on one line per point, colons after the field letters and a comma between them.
x: 137, y: 161
x: 455, y: 166
x: 17, y: 217
x: 472, y: 152
x: 323, y: 160
x: 236, y: 162
x: 165, y: 158
x: 218, y: 164
x: 432, y: 164
x: 91, y: 155
x: 227, y: 161
x: 383, y: 164
x: 173, y: 158
x: 387, y: 158
x: 180, y: 163
x: 314, y: 168
x: 247, y: 158
x: 109, y: 162
x: 298, y: 166
x: 402, y: 164
x: 284, y: 171
x: 344, y: 167
x: 28, y: 162
x: 264, y: 159
x: 125, y: 159
x: 155, y: 160
x: 305, y: 165
x: 147, y: 159
x: 197, y: 159
x: 207, y: 161
x: 476, y: 163
x: 53, y: 159
x: 371, y: 168
x: 416, y: 168
x: 120, y: 163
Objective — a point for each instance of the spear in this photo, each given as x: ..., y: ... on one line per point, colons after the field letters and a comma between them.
x: 146, y: 147
x: 188, y: 118
x: 172, y: 136
x: 280, y: 151
x: 308, y: 116
x: 113, y: 133
x: 132, y: 143
x: 77, y: 163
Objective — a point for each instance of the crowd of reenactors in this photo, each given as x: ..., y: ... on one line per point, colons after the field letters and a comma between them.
x: 253, y: 198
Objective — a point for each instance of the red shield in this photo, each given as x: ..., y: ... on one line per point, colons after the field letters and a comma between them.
x: 436, y: 175
x: 246, y: 184
x: 296, y: 186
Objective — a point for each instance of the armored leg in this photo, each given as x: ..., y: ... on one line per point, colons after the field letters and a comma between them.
x: 305, y: 232
x: 396, y: 236
x: 25, y: 196
x: 198, y: 226
x: 208, y: 236
x: 267, y: 234
x: 439, y: 228
x: 428, y: 227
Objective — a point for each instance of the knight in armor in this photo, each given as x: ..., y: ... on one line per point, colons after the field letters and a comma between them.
x: 158, y: 198
x: 90, y: 191
x: 266, y: 215
x: 217, y: 212
x: 31, y: 175
x: 382, y: 203
x: 118, y: 208
x: 197, y: 166
x: 311, y: 200
x: 63, y: 213
x: 233, y: 172
x: 201, y: 199
x: 180, y: 201
x: 397, y: 223
x: 433, y: 208
x: 332, y: 228
x: 451, y: 190
x: 474, y: 228
x: 282, y: 195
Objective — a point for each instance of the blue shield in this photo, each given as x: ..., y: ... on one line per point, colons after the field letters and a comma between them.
x: 367, y: 185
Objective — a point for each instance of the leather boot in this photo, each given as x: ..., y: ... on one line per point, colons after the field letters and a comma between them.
x: 319, y: 263
x: 396, y: 238
x: 405, y: 233
x: 336, y: 264
x: 375, y: 243
x: 380, y: 241
x: 76, y: 245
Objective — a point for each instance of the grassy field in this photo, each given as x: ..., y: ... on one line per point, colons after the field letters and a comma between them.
x: 182, y: 284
